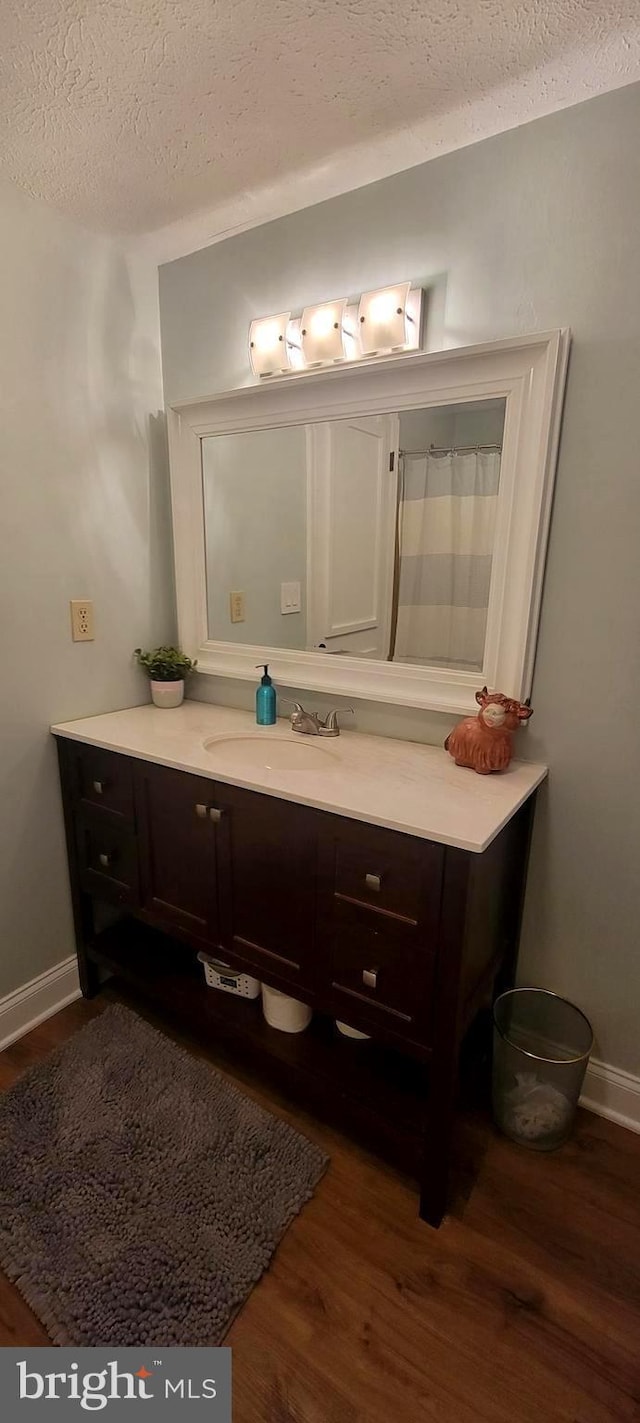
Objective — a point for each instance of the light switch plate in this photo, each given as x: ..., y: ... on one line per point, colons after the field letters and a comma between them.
x: 237, y: 607
x: 82, y: 619
x: 290, y: 598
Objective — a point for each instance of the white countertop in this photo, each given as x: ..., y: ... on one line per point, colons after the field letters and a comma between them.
x: 415, y: 789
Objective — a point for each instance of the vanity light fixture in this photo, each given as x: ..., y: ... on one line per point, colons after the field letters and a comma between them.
x: 389, y: 319
x: 385, y: 322
x: 325, y: 332
x: 274, y: 345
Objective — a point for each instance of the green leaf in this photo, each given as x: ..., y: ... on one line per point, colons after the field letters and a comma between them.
x: 165, y: 664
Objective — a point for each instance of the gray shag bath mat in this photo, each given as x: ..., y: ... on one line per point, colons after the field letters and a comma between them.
x: 141, y: 1194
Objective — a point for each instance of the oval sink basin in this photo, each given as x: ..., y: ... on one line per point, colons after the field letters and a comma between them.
x: 269, y: 753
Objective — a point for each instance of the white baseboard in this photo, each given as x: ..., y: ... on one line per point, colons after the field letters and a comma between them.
x: 612, y: 1093
x: 47, y: 994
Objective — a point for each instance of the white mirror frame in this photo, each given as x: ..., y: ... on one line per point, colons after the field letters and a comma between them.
x: 528, y: 373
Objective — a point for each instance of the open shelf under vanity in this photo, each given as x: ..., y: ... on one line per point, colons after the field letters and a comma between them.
x: 363, y: 1085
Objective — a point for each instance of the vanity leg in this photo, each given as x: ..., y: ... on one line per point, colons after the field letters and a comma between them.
x: 460, y: 884
x: 521, y: 833
x: 433, y: 1199
x: 88, y: 974
x: 434, y: 1180
x: 81, y: 903
x: 434, y: 1186
x: 88, y: 971
x: 443, y: 1074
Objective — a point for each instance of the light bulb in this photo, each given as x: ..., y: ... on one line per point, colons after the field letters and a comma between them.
x: 388, y: 319
x: 266, y: 335
x: 321, y: 322
x: 322, y: 332
x: 268, y: 347
x: 383, y: 307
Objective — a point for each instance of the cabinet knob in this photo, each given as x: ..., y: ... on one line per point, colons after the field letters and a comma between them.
x: 105, y: 860
x: 98, y: 787
x: 373, y: 882
x: 209, y: 812
x: 370, y: 977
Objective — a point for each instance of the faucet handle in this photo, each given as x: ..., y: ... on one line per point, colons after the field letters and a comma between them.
x: 330, y: 724
x: 303, y: 720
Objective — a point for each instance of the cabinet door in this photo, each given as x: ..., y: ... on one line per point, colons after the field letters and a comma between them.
x: 177, y: 828
x: 268, y: 885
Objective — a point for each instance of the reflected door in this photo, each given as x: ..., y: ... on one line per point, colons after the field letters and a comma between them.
x: 352, y: 496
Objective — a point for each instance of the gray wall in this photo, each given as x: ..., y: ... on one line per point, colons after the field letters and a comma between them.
x: 444, y: 425
x: 479, y: 427
x: 421, y: 428
x: 534, y: 229
x: 255, y: 501
x: 83, y: 513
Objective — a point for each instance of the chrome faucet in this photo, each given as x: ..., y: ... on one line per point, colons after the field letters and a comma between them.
x: 310, y: 724
x: 306, y: 722
x: 330, y: 726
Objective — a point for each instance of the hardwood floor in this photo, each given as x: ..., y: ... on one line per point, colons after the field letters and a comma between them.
x: 523, y: 1308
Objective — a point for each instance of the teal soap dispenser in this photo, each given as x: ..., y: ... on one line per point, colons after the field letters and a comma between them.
x: 266, y: 700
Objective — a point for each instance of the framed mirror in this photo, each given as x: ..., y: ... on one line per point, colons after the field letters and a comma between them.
x: 376, y: 531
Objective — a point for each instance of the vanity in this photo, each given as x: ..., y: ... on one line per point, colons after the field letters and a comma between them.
x: 372, y: 879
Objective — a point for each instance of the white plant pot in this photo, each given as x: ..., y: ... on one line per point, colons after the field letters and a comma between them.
x: 167, y: 694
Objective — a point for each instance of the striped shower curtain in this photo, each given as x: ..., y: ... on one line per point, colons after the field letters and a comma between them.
x: 446, y: 531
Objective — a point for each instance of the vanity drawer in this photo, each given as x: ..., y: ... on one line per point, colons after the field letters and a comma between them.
x: 381, y: 973
x: 383, y: 870
x: 102, y: 778
x: 108, y: 857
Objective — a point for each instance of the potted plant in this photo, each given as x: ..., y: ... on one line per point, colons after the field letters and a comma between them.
x: 166, y: 668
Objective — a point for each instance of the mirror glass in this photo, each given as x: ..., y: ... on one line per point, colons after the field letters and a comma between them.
x: 371, y: 536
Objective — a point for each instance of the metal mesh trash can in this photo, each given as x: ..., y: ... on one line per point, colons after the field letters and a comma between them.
x: 541, y: 1046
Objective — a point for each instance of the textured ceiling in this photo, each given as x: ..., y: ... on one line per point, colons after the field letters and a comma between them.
x: 132, y: 114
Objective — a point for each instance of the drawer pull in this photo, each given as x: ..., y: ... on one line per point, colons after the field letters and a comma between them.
x: 209, y: 812
x: 373, y: 882
x: 98, y: 787
x: 370, y: 977
x: 105, y: 860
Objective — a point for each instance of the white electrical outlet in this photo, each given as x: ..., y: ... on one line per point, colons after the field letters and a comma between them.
x: 82, y: 619
x: 236, y: 607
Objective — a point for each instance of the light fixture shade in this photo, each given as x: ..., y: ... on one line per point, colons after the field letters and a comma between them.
x: 324, y: 334
x: 270, y: 351
x: 389, y: 319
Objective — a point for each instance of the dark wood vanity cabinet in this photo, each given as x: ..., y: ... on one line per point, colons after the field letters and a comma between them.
x: 397, y: 936
x: 267, y: 852
x: 179, y: 880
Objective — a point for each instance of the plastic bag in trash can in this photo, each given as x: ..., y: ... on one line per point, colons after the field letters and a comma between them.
x: 535, y: 1109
